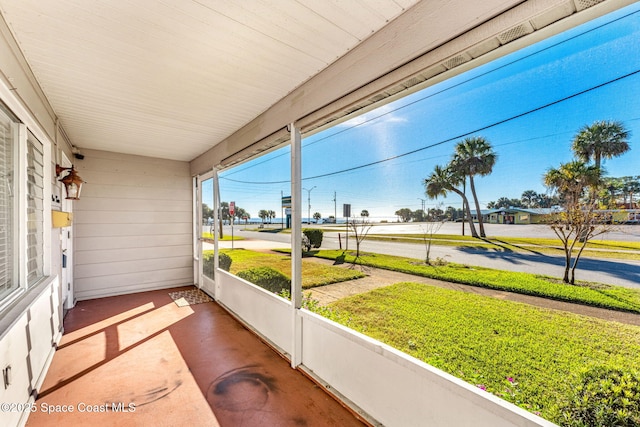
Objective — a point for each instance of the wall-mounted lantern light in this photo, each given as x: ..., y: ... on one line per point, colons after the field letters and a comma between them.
x: 72, y: 182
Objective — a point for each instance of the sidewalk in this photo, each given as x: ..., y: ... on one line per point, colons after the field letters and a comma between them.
x: 377, y: 278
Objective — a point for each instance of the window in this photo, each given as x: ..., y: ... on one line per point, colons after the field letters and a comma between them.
x: 22, y: 208
x: 35, y: 210
x: 8, y: 280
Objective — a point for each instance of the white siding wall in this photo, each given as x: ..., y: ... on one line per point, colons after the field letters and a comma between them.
x: 133, y: 225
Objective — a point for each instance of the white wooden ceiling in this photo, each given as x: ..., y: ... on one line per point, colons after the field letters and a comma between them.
x: 171, y: 78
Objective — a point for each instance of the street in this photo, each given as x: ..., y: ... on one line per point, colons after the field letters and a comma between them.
x: 611, y: 271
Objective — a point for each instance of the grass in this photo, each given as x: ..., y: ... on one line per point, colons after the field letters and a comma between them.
x: 313, y: 273
x: 597, y: 295
x: 595, y: 248
x: 526, y: 355
x: 226, y: 237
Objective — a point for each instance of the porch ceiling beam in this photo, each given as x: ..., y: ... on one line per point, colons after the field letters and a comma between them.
x: 425, y: 26
x: 428, y: 43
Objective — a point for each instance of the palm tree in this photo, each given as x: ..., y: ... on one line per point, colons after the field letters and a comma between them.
x: 443, y: 180
x: 570, y: 180
x: 601, y: 139
x: 529, y: 198
x: 474, y: 156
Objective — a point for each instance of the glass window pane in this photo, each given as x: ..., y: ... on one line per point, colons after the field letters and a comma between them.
x: 35, y: 212
x: 7, y: 270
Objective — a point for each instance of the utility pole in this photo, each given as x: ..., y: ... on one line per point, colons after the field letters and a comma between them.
x: 423, y: 206
x: 309, y: 203
x: 335, y: 208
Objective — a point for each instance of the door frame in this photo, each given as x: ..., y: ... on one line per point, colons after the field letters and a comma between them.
x: 203, y: 282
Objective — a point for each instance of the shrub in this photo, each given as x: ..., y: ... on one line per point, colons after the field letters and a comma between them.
x: 315, y: 236
x: 224, y: 262
x: 267, y: 278
x: 604, y: 396
x: 306, y: 244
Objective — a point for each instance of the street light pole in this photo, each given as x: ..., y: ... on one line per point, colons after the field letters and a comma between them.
x: 309, y: 203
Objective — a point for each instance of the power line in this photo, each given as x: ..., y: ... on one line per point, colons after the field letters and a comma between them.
x: 460, y: 136
x: 515, y: 61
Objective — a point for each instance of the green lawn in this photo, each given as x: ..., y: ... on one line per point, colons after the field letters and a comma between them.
x: 313, y: 273
x: 225, y: 238
x: 598, y: 295
x: 526, y: 355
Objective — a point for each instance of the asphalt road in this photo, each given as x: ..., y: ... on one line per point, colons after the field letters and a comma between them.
x: 616, y: 272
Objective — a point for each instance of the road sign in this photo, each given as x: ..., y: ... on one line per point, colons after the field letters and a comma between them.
x: 346, y: 210
x: 286, y: 201
x: 232, y: 208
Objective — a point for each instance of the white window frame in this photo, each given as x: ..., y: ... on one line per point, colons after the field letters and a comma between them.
x: 22, y: 127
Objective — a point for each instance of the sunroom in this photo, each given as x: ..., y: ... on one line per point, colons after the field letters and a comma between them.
x: 146, y: 102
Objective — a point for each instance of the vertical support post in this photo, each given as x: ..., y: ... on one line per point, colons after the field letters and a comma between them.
x: 217, y: 223
x: 296, y: 244
x: 197, y: 231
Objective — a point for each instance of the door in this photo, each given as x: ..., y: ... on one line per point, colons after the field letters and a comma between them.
x: 66, y: 246
x: 204, y: 233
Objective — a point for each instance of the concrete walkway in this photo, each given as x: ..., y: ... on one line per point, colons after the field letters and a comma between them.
x: 377, y: 278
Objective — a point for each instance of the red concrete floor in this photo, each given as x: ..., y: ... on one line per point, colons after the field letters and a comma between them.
x: 140, y: 360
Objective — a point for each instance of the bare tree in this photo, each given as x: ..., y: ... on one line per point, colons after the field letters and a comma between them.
x: 428, y: 230
x: 579, y: 221
x: 360, y: 230
x: 575, y: 227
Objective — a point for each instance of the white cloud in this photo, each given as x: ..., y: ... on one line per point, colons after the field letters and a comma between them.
x: 381, y: 115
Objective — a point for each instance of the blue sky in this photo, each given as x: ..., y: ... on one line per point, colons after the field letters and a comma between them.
x: 506, y: 101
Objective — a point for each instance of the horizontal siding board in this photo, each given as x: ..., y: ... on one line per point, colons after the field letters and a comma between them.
x: 138, y: 192
x: 126, y: 180
x: 131, y: 267
x: 128, y: 289
x: 132, y: 236
x: 102, y: 255
x: 133, y: 230
x: 129, y: 217
x: 84, y: 243
x: 114, y: 204
x: 113, y: 281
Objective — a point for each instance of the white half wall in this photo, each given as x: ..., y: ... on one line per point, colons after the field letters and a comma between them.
x: 266, y: 313
x: 383, y: 384
x: 396, y: 389
x: 27, y: 346
x: 133, y: 225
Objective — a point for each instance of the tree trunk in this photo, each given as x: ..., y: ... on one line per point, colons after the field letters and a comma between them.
x: 474, y: 233
x: 475, y: 200
x: 567, y: 265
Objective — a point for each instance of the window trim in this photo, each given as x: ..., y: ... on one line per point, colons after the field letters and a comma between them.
x: 23, y: 124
